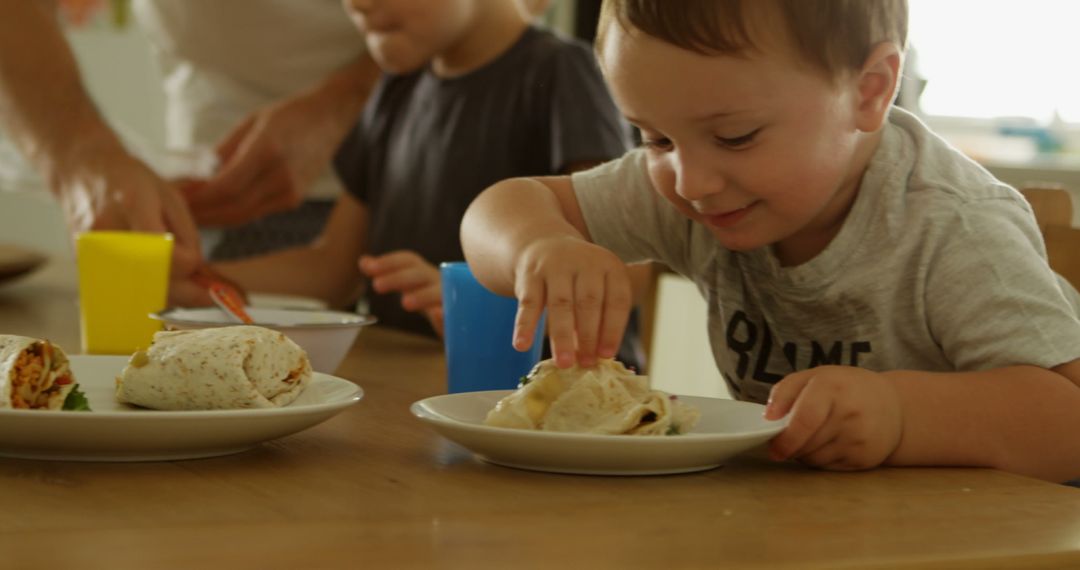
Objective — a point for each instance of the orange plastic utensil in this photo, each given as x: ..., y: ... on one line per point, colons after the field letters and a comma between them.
x: 230, y: 301
x: 224, y: 293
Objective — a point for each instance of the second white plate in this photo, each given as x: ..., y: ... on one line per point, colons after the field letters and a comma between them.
x: 726, y: 428
x: 118, y: 432
x: 16, y: 261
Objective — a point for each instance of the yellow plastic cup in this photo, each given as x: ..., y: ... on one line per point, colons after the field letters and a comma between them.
x: 123, y: 277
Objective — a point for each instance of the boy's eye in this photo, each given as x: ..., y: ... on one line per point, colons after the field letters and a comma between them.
x: 740, y: 141
x: 659, y: 143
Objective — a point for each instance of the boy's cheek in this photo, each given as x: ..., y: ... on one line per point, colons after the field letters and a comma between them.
x: 669, y: 194
x: 663, y: 181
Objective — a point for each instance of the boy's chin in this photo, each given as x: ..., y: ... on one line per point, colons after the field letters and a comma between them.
x: 734, y: 241
x: 397, y: 64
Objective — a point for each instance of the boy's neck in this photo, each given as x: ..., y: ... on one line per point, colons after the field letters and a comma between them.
x: 496, y: 27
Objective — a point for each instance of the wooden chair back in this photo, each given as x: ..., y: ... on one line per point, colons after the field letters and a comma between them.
x: 1054, y: 212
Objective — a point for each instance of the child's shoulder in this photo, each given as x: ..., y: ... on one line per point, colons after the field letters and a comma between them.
x: 545, y: 42
x: 547, y: 49
x: 544, y: 51
x: 933, y: 170
x: 545, y: 66
x: 922, y: 189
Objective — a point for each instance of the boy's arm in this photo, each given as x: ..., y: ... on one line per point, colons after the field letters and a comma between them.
x: 325, y: 269
x: 641, y: 274
x: 494, y: 230
x: 527, y: 237
x: 1022, y: 419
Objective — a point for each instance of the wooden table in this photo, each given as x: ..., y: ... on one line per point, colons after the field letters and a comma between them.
x: 374, y: 488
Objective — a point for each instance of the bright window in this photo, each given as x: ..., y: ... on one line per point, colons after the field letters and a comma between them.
x: 999, y: 58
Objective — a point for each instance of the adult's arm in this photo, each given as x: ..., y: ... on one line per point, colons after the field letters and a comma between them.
x: 46, y: 110
x: 325, y: 269
x: 272, y: 157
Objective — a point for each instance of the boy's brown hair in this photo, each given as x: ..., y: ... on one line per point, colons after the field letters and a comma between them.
x: 833, y: 35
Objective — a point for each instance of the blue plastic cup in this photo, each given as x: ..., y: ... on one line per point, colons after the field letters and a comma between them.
x: 478, y: 328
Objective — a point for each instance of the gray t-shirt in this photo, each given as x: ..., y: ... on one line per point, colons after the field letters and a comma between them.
x: 426, y: 145
x: 938, y: 267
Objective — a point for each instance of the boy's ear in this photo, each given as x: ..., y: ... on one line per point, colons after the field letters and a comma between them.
x: 877, y: 83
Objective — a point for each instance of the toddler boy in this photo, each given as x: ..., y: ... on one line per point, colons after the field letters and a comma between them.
x: 861, y: 274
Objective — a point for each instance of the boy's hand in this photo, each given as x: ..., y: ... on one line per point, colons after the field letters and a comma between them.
x: 586, y: 291
x: 405, y: 272
x: 842, y: 418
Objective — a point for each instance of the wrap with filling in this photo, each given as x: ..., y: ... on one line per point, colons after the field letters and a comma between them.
x: 34, y: 375
x: 216, y: 368
x: 604, y: 399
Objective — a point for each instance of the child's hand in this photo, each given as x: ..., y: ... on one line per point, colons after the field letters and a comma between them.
x: 405, y: 272
x: 842, y: 418
x: 586, y: 291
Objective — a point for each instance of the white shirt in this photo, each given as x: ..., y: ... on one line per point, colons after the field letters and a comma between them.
x: 222, y: 60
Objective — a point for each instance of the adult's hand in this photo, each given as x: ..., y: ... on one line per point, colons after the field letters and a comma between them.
x: 47, y: 112
x: 268, y: 162
x: 114, y: 191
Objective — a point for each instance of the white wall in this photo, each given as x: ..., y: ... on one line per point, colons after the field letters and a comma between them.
x: 122, y: 76
x: 680, y: 360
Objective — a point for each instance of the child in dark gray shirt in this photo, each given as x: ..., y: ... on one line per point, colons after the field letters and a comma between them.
x: 470, y: 96
x: 426, y: 145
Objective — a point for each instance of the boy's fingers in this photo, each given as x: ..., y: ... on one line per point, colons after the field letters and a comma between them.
x: 372, y: 265
x: 423, y: 298
x: 403, y: 279
x: 530, y: 306
x: 808, y: 415
x: 617, y: 304
x: 435, y: 316
x: 561, y: 325
x: 784, y: 393
x: 366, y: 264
x: 588, y: 302
x: 822, y: 438
x: 401, y: 271
x: 393, y: 260
x: 828, y: 454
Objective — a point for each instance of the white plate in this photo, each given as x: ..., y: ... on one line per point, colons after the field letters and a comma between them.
x: 727, y: 427
x: 16, y: 261
x: 118, y: 432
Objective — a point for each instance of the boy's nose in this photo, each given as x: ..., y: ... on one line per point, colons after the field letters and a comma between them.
x: 696, y: 179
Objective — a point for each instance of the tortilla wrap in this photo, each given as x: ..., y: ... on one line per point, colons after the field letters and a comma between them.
x: 216, y: 368
x: 604, y: 399
x: 34, y: 374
